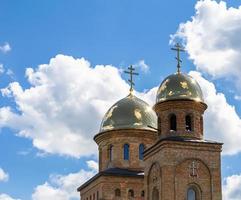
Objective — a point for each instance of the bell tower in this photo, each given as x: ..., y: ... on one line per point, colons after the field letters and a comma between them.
x: 182, y: 164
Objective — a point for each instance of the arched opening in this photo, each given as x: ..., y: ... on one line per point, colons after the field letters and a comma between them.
x: 117, y: 192
x: 131, y: 193
x: 141, y: 151
x: 173, y: 122
x: 201, y: 124
x: 155, y: 194
x: 188, y: 120
x: 159, y: 125
x: 126, y: 152
x: 191, y: 194
x: 110, y: 152
x: 142, y: 193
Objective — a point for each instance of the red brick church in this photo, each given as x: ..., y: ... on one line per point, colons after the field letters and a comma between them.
x: 157, y: 153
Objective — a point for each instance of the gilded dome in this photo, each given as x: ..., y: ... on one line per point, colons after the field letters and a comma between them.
x: 179, y: 86
x: 129, y: 112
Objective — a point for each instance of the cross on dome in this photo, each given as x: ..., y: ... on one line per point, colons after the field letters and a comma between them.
x: 130, y: 71
x: 178, y: 48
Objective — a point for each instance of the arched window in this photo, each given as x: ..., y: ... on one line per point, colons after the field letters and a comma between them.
x: 131, y: 193
x: 159, y: 125
x: 142, y: 193
x: 117, y: 192
x: 155, y: 194
x: 141, y: 151
x: 201, y: 124
x: 126, y: 152
x: 110, y: 152
x: 191, y: 194
x: 173, y: 122
x: 188, y: 120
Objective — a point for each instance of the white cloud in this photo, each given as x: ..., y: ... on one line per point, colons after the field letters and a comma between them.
x: 237, y: 97
x: 231, y: 188
x: 64, y: 105
x: 3, y: 175
x: 212, y: 38
x: 6, y: 197
x: 1, y: 69
x: 142, y: 65
x: 67, y: 99
x: 64, y: 186
x: 221, y: 121
x: 5, y: 48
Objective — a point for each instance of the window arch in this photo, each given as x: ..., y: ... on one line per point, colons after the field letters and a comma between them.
x: 141, y: 151
x: 110, y: 152
x: 173, y: 122
x: 117, y: 192
x: 126, y: 152
x: 188, y: 120
x: 131, y: 193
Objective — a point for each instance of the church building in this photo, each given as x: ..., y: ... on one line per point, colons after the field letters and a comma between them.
x: 157, y: 153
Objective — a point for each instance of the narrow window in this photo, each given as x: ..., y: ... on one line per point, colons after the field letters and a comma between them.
x: 97, y: 195
x: 117, y: 192
x: 130, y: 193
x: 173, y: 123
x: 110, y: 152
x: 126, y: 151
x: 201, y: 124
x: 188, y: 123
x: 141, y: 151
x: 191, y: 194
x: 94, y: 196
x: 159, y: 126
x: 155, y: 194
x: 142, y: 193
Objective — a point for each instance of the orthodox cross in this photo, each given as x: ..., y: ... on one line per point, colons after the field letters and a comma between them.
x: 178, y: 48
x: 131, y: 72
x: 193, y: 169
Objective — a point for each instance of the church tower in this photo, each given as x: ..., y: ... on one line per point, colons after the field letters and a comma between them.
x: 182, y: 165
x: 124, y: 134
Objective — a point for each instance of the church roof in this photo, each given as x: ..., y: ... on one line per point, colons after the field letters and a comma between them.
x: 113, y: 172
x: 179, y: 86
x: 129, y: 112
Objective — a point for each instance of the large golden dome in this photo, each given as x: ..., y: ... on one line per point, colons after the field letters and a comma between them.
x: 129, y: 113
x: 179, y: 86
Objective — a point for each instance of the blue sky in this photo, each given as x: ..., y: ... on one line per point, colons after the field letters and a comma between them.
x: 116, y: 33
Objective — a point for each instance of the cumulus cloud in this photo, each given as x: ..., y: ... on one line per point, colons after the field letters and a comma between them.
x: 3, y: 175
x: 1, y: 69
x: 67, y: 99
x: 221, y: 121
x: 64, y: 186
x: 231, y: 188
x: 5, y: 48
x: 142, y: 66
x: 64, y: 104
x: 212, y: 39
x: 4, y: 196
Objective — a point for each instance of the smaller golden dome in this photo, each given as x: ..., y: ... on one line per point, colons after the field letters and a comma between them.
x: 129, y: 113
x: 179, y: 86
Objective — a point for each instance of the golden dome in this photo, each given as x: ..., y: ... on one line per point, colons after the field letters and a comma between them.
x: 129, y: 113
x: 179, y: 86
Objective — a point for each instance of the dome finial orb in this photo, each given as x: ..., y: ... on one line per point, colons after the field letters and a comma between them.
x: 178, y: 48
x: 130, y: 71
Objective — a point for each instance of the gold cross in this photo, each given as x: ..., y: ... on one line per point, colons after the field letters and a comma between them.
x: 178, y: 48
x: 131, y: 72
